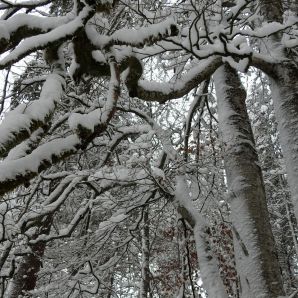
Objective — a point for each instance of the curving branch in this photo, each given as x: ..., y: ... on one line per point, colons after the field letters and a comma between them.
x: 91, y: 61
x: 53, y: 203
x: 51, y: 38
x: 137, y: 38
x: 162, y: 92
x: 20, y: 123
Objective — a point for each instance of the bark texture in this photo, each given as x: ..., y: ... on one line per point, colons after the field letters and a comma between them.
x: 256, y: 257
x: 145, y: 281
x: 285, y: 99
x: 284, y: 87
x: 208, y: 264
x: 26, y: 276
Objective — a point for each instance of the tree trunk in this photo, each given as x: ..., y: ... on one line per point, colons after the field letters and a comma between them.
x: 208, y: 264
x: 145, y: 278
x: 110, y: 290
x: 284, y: 87
x: 285, y: 98
x: 25, y: 278
x: 276, y: 190
x: 256, y: 257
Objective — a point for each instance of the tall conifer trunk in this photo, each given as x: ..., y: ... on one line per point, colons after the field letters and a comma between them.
x: 256, y: 258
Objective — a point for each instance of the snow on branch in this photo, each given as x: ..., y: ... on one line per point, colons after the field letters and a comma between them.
x: 24, y: 4
x: 26, y: 118
x: 208, y: 262
x: 41, y: 41
x: 12, y: 25
x: 113, y: 221
x: 197, y: 104
x: 21, y: 26
x: 124, y: 133
x: 65, y: 232
x: 120, y: 176
x: 162, y: 92
x: 267, y: 29
x: 16, y: 172
x: 92, y: 61
x: 161, y: 133
x: 84, y: 62
x: 89, y: 125
x: 134, y: 37
x: 27, y: 146
x: 54, y: 202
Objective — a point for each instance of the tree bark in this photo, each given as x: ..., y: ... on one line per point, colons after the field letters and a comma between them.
x: 209, y: 269
x: 256, y: 258
x: 284, y: 87
x: 145, y: 274
x: 208, y: 264
x: 26, y: 276
x: 285, y: 98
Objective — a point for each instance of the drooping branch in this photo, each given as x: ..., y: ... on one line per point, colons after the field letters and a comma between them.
x: 16, y: 172
x: 52, y: 38
x: 35, y: 114
x: 23, y: 26
x: 53, y: 202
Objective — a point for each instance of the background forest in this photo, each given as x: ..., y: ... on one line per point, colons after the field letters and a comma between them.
x: 149, y: 148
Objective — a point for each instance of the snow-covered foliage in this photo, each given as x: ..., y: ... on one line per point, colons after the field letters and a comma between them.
x: 123, y: 174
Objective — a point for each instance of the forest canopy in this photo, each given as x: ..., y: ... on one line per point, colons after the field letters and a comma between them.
x: 149, y: 148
